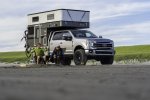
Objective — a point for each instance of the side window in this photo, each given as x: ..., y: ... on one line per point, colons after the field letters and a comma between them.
x: 66, y: 33
x: 58, y: 36
x: 88, y: 35
x: 80, y: 35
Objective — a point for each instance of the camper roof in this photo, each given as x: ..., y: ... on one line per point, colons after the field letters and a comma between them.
x: 60, y: 18
x: 56, y: 10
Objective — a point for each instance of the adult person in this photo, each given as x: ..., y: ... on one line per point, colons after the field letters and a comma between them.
x: 46, y: 55
x: 39, y: 54
x: 57, y: 55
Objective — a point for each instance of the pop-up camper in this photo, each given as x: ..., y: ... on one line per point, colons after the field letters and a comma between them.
x: 40, y: 24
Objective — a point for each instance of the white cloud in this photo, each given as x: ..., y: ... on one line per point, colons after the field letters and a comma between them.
x: 122, y: 9
x: 138, y: 33
x: 13, y: 19
x: 11, y: 32
x: 136, y: 28
x: 16, y: 47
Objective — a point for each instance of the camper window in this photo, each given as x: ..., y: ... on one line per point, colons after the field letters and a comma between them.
x: 31, y: 30
x: 35, y: 19
x: 50, y: 16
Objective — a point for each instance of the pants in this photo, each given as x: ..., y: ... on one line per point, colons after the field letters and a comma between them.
x: 57, y: 59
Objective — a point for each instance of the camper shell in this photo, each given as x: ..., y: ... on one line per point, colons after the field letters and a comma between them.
x: 41, y: 24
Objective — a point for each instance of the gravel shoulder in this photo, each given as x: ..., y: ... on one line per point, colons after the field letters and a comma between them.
x: 115, y: 82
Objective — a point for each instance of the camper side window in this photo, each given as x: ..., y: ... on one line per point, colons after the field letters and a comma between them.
x: 35, y: 19
x: 31, y: 30
x: 50, y: 16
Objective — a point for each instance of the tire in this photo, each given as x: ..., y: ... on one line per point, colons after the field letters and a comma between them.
x: 66, y: 61
x: 80, y: 57
x: 107, y: 60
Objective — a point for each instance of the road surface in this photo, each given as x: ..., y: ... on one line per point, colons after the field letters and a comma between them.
x: 116, y: 82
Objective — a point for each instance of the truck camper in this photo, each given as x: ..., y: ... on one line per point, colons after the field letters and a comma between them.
x: 67, y: 28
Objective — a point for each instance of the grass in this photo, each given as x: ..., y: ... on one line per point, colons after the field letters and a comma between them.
x: 13, y: 57
x: 140, y: 53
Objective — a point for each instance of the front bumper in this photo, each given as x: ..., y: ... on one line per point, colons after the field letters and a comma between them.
x: 96, y: 52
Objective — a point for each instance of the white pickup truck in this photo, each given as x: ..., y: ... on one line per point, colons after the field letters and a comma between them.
x: 82, y: 45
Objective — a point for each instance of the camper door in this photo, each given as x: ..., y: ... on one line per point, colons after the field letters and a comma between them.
x: 37, y: 35
x: 40, y: 35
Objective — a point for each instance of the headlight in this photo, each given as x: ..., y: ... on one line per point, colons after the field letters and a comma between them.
x: 91, y: 43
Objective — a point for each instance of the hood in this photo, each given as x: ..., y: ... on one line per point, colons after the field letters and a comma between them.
x: 97, y: 40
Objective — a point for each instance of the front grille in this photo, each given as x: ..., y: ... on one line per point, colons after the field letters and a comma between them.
x: 109, y: 45
x: 103, y: 42
x: 103, y: 52
x: 102, y: 45
x: 104, y: 48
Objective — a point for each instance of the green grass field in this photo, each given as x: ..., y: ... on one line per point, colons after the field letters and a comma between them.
x: 13, y: 57
x: 140, y: 53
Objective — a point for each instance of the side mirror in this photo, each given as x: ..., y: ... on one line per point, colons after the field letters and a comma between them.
x: 100, y: 36
x: 66, y: 37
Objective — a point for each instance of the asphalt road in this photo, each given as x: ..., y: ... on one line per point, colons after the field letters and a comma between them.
x: 116, y: 82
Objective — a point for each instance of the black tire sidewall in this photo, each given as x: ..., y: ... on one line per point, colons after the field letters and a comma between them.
x: 83, y: 58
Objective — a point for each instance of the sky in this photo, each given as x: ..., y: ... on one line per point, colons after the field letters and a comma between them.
x: 127, y: 22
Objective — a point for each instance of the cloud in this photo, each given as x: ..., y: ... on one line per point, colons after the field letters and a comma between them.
x: 11, y: 32
x: 121, y: 9
x: 122, y: 21
x: 131, y: 34
x: 135, y: 28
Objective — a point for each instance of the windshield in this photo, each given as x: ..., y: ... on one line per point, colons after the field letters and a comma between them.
x: 83, y: 34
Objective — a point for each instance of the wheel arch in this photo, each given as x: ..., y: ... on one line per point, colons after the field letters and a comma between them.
x: 78, y: 47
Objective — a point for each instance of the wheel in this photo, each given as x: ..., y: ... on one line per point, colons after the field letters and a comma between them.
x: 107, y: 60
x: 66, y: 61
x: 80, y: 57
